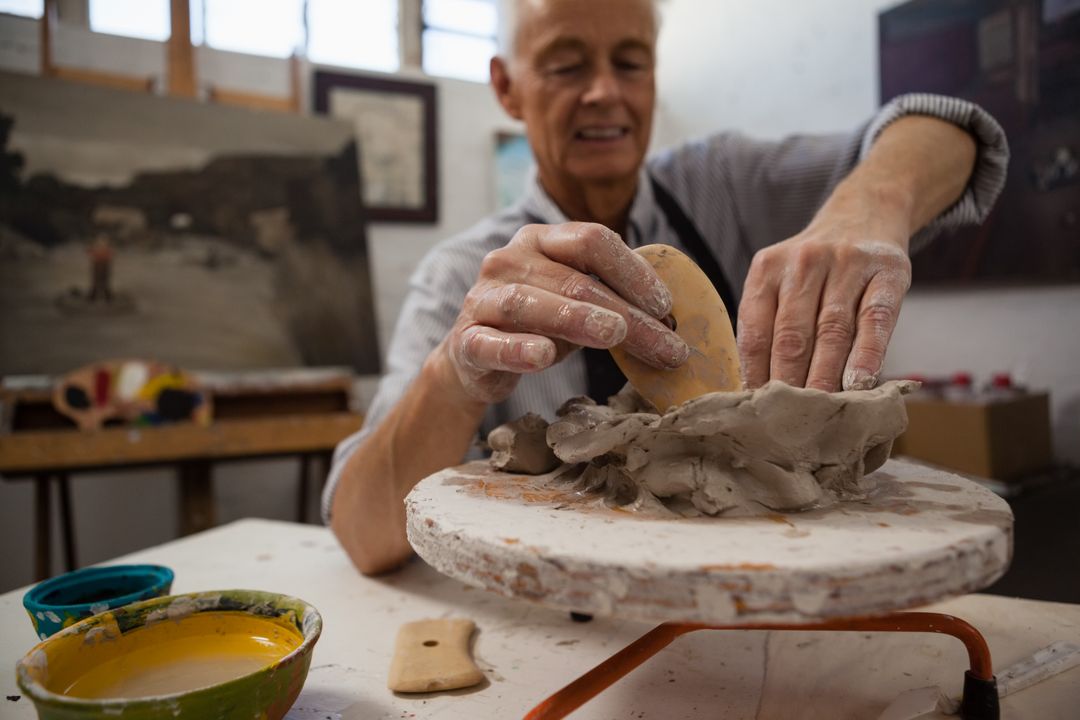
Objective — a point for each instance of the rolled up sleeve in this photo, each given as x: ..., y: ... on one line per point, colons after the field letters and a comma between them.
x: 991, y: 161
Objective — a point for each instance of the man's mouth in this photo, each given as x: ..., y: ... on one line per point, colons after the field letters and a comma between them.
x: 602, y: 133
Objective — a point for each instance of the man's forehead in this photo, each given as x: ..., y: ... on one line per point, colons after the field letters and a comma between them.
x: 542, y: 23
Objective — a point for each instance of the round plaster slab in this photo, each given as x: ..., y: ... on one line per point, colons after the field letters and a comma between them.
x: 920, y: 536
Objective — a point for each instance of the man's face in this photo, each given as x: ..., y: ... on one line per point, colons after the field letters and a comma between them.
x: 582, y: 80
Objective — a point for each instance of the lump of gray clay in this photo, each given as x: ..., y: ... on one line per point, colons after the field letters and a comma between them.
x: 521, y: 446
x: 777, y: 447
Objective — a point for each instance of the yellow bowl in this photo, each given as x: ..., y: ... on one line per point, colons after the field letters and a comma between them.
x: 206, y: 656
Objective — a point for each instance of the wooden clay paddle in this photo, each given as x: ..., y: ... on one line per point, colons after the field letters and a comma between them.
x: 432, y: 655
x: 702, y: 321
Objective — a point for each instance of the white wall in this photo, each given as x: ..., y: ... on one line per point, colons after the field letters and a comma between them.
x: 773, y: 67
x: 766, y: 67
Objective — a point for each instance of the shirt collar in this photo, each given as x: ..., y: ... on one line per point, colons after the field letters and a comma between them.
x: 643, y: 224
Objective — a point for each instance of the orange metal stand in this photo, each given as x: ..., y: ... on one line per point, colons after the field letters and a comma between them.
x: 592, y: 683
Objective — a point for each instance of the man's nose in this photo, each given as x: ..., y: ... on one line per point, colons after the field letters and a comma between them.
x: 603, y: 87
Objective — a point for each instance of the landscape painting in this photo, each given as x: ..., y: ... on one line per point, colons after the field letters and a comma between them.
x: 207, y: 237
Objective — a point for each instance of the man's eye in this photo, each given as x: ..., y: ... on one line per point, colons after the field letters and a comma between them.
x: 629, y: 65
x: 565, y: 69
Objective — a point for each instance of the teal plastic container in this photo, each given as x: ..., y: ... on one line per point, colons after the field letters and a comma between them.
x: 66, y: 599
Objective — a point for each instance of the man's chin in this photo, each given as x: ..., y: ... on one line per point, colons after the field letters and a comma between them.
x: 606, y: 173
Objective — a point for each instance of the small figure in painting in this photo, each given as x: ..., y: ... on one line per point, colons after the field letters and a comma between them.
x: 101, y: 256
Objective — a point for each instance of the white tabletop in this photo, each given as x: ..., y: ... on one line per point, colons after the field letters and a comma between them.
x: 528, y: 652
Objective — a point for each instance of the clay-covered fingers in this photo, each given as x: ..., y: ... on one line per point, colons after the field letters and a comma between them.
x: 646, y: 337
x: 516, y: 307
x: 536, y: 299
x: 757, y: 316
x: 859, y: 309
x: 821, y: 315
x: 793, y: 337
x: 594, y: 249
x: 879, y: 309
x: 482, y: 349
x: 834, y: 332
x: 604, y: 323
x: 588, y: 264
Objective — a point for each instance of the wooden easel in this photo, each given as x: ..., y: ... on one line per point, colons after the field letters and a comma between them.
x: 49, y: 20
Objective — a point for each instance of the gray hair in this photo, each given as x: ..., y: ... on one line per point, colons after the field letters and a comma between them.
x: 507, y: 19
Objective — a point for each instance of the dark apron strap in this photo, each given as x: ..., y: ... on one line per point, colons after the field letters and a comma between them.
x: 602, y: 375
x: 695, y: 245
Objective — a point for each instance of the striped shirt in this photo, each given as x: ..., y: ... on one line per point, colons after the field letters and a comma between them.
x: 741, y: 195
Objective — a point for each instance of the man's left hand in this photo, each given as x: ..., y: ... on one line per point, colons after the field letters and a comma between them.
x: 818, y: 309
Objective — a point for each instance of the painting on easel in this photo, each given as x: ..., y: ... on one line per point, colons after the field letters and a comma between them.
x: 203, y: 236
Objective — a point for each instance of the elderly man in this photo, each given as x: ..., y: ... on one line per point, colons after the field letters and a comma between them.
x: 815, y: 231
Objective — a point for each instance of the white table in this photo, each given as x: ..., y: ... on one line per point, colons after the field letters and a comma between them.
x: 528, y: 652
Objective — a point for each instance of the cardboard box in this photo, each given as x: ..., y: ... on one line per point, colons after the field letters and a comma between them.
x: 1003, y: 439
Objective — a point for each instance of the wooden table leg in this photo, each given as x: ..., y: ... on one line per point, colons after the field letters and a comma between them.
x: 42, y: 527
x: 196, y: 497
x: 323, y: 461
x: 67, y: 525
x: 326, y: 460
x: 304, y: 488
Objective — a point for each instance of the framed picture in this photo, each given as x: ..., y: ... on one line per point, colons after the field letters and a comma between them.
x: 513, y: 163
x: 395, y: 124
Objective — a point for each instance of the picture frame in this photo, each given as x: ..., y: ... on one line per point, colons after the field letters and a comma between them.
x: 396, y: 126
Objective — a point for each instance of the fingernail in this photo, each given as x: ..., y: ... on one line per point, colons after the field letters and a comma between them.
x: 661, y: 301
x: 859, y: 379
x: 536, y: 354
x: 678, y: 351
x: 605, y: 326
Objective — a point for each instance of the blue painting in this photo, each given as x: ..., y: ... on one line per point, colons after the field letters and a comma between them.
x: 513, y: 168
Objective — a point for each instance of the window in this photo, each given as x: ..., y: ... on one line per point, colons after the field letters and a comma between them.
x: 147, y: 19
x: 349, y: 33
x: 26, y: 8
x: 272, y: 28
x: 459, y: 38
x: 354, y: 33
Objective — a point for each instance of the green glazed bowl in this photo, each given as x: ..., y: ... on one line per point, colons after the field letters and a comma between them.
x: 222, y: 655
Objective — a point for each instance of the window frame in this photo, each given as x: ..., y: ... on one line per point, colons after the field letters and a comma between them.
x: 424, y: 26
x: 90, y: 26
x: 10, y: 13
x: 400, y: 25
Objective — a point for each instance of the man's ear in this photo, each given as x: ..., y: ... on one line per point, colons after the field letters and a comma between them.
x: 502, y: 85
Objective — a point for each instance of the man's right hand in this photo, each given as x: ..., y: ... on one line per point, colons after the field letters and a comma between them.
x: 535, y: 301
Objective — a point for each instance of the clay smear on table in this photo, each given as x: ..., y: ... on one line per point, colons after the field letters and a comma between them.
x: 777, y: 448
